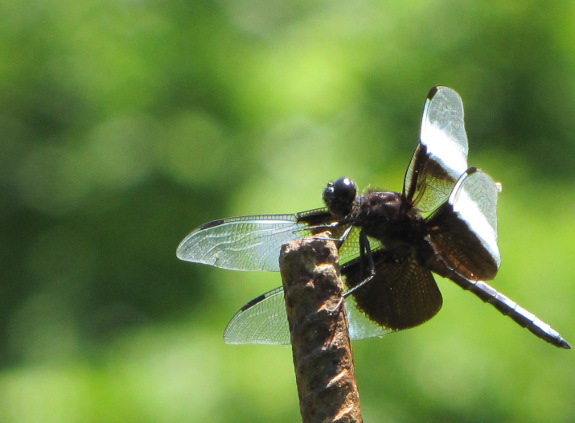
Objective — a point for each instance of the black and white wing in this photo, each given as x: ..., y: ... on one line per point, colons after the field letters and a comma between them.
x: 441, y: 155
x: 464, y: 229
x: 463, y: 232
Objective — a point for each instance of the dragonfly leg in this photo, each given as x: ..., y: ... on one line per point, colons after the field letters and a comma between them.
x: 365, y: 255
x: 339, y: 240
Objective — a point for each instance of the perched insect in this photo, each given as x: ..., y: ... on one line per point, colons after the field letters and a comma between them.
x: 444, y: 221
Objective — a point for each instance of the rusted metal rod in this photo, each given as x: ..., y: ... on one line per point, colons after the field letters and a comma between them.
x: 322, y: 353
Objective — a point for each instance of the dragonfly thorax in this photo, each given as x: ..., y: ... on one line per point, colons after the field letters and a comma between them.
x: 388, y: 217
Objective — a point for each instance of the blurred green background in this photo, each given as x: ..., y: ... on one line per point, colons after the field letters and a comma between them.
x: 124, y: 124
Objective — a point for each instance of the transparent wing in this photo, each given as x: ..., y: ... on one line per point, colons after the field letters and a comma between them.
x: 349, y: 250
x: 249, y: 242
x: 254, y: 242
x: 441, y: 155
x: 261, y: 321
x: 360, y: 327
x: 264, y: 321
x: 464, y: 230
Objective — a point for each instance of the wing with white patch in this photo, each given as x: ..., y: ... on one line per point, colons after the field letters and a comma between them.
x: 441, y: 155
x: 464, y: 230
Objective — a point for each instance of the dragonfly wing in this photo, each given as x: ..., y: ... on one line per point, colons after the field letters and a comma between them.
x: 264, y: 321
x: 261, y: 321
x: 249, y: 242
x: 441, y: 155
x: 402, y: 293
x: 464, y: 230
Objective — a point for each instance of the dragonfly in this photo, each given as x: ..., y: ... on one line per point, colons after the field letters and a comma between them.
x: 444, y: 221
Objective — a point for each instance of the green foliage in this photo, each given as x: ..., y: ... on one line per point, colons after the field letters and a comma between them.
x: 125, y: 124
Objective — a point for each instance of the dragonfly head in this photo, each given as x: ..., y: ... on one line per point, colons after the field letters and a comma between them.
x: 338, y: 196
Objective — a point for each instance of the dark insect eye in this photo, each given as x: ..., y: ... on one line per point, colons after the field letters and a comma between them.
x: 339, y: 195
x: 329, y: 190
x: 345, y: 189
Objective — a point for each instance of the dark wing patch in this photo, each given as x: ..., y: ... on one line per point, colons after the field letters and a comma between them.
x: 401, y: 295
